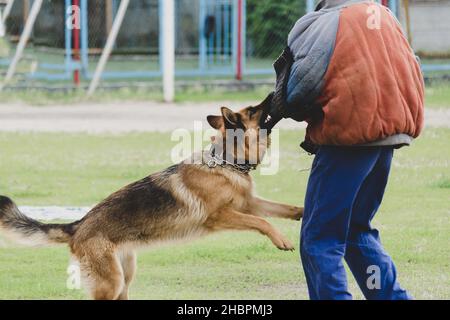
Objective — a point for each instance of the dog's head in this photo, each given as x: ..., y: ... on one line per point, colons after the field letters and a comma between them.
x: 243, y: 136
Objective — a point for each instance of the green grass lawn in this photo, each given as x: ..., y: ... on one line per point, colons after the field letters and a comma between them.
x: 81, y: 169
x: 437, y: 95
x: 43, y: 98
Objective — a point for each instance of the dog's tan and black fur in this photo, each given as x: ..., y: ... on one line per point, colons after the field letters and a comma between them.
x: 184, y: 201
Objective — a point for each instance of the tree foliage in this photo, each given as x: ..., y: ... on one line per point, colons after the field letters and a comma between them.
x: 268, y: 25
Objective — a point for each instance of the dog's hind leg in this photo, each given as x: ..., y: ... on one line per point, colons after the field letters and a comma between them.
x: 102, y: 273
x: 128, y: 262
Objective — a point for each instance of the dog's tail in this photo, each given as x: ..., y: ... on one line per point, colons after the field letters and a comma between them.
x: 14, y: 224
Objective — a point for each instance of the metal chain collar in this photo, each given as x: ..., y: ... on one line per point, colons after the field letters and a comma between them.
x: 214, y: 160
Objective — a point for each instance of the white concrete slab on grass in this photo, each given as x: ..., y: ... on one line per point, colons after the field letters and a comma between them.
x: 53, y: 212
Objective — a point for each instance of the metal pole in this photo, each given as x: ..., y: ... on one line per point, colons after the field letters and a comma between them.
x: 234, y: 31
x: 244, y: 36
x: 109, y: 46
x: 68, y: 37
x: 25, y: 10
x: 2, y: 26
x: 219, y: 23
x: 7, y: 10
x: 393, y: 5
x: 201, y: 36
x: 168, y: 49
x: 227, y: 28
x: 310, y: 6
x: 84, y: 38
x: 160, y: 37
x: 239, y: 40
x: 76, y: 45
x: 109, y: 14
x: 408, y: 20
x: 37, y: 4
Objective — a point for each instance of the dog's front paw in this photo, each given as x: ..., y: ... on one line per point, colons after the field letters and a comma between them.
x: 295, y: 213
x: 298, y: 213
x: 283, y: 244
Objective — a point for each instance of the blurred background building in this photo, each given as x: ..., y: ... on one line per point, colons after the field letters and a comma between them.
x: 427, y: 23
x: 220, y: 39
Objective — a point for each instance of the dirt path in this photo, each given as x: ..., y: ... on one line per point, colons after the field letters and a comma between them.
x: 137, y: 116
x: 116, y: 118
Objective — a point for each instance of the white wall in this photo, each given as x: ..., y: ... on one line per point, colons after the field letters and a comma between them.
x: 430, y: 25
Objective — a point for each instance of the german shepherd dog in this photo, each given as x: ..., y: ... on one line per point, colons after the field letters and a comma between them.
x: 187, y: 200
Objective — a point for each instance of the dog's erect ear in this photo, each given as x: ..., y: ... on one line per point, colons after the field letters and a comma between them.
x: 230, y: 118
x: 215, y: 121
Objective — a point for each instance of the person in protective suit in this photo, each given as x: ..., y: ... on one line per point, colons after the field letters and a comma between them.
x: 349, y: 72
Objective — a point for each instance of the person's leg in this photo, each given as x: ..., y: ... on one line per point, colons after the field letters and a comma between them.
x: 335, y: 179
x: 370, y: 264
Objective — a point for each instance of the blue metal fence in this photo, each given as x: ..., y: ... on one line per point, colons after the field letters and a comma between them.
x: 221, y: 45
x: 217, y: 34
x: 217, y: 52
